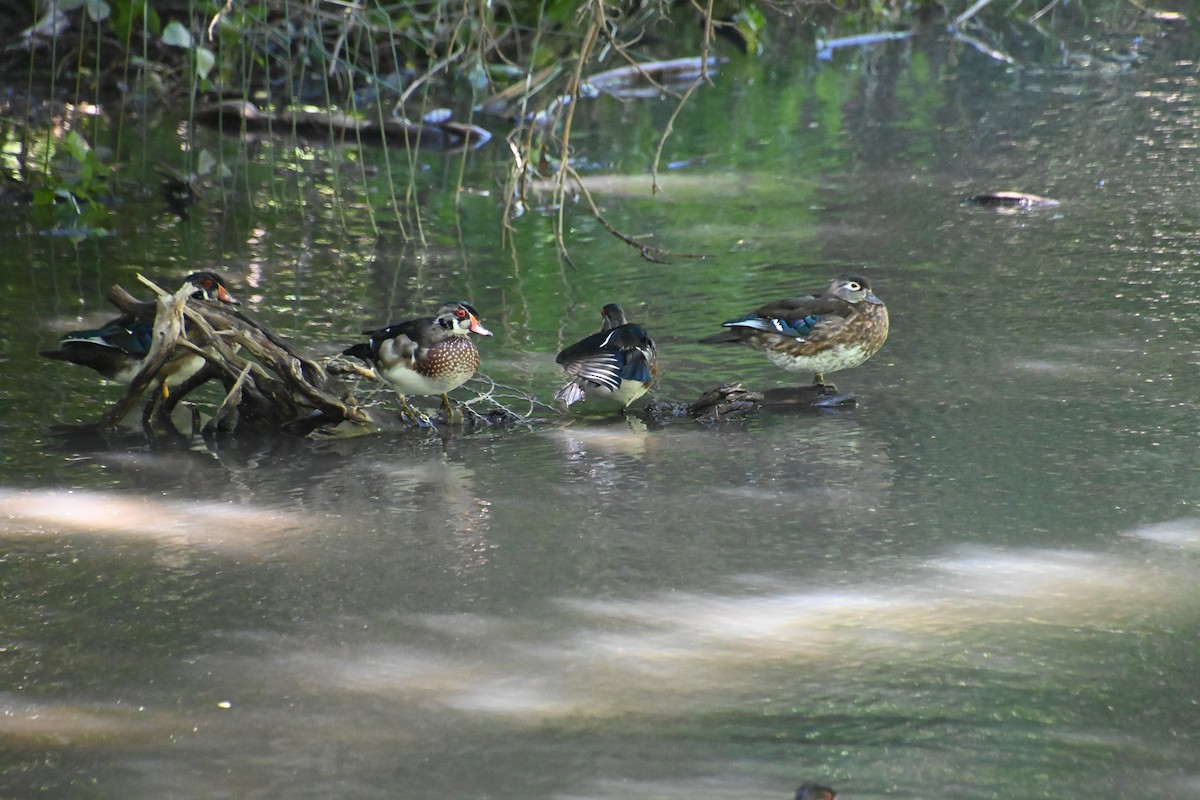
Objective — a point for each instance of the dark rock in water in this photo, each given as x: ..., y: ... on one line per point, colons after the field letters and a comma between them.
x: 1010, y: 201
x: 815, y: 791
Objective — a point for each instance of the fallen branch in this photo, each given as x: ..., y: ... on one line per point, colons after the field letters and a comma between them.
x: 270, y: 383
x: 168, y: 331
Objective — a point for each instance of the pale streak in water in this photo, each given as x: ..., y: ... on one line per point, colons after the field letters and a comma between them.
x: 684, y: 652
x: 214, y: 526
x: 669, y: 653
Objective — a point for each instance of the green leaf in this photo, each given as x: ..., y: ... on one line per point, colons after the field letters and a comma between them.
x: 205, y: 163
x: 750, y: 22
x: 131, y: 16
x: 176, y: 35
x: 205, y: 60
x: 43, y: 197
x: 77, y: 146
x: 98, y: 10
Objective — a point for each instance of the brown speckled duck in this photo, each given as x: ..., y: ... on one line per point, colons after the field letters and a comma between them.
x: 425, y: 356
x: 837, y: 329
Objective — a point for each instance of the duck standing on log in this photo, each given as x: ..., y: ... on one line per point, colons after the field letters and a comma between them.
x: 839, y: 328
x: 425, y: 356
x: 616, y: 365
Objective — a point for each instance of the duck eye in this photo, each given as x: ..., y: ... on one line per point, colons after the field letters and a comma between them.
x: 460, y: 313
x: 854, y: 286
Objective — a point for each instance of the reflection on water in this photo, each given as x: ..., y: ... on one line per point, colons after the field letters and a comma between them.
x: 892, y: 678
x: 27, y: 724
x: 192, y: 523
x: 684, y: 653
x: 1181, y: 533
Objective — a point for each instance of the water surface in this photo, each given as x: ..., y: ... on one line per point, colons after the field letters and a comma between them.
x: 979, y: 582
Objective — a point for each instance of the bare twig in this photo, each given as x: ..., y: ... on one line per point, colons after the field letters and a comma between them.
x: 499, y: 397
x: 232, y: 399
x: 975, y: 8
x: 666, y: 133
x: 670, y: 126
x: 597, y: 25
x: 656, y: 255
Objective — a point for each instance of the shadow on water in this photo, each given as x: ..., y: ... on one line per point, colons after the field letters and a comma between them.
x: 999, y: 652
x: 690, y: 611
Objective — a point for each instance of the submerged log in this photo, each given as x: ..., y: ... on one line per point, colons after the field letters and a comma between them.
x: 652, y: 78
x: 273, y: 387
x: 436, y: 131
x: 732, y: 401
x: 270, y: 384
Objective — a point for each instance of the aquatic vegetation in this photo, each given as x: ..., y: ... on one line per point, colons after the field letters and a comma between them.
x: 443, y: 76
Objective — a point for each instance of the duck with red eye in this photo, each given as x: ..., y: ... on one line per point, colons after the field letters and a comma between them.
x: 210, y: 286
x: 117, y: 349
x: 838, y: 329
x: 425, y: 356
x: 615, y: 366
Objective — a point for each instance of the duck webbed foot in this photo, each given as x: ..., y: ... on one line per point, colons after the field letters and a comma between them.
x: 452, y: 415
x: 825, y: 386
x: 414, y: 416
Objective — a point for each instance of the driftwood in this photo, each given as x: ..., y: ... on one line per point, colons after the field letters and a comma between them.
x: 435, y: 131
x: 732, y: 401
x: 653, y: 78
x: 270, y: 385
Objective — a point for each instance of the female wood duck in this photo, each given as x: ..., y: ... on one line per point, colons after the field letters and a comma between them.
x: 815, y: 791
x: 430, y: 355
x: 838, y: 329
x: 116, y: 349
x: 616, y: 365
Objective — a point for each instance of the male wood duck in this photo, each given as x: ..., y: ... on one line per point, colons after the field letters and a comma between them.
x: 429, y: 355
x: 616, y: 365
x: 838, y: 329
x: 814, y: 791
x: 117, y: 349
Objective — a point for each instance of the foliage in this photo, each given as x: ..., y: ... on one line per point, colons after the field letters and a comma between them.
x: 67, y: 194
x: 524, y: 62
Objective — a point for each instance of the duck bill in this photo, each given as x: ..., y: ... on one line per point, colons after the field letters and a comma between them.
x: 225, y: 297
x: 478, y: 328
x: 871, y: 298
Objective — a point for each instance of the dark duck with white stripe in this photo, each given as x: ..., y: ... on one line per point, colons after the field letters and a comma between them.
x: 117, y: 349
x: 838, y: 329
x: 617, y: 365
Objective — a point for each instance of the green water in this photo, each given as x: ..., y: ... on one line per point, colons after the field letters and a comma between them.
x: 979, y: 582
